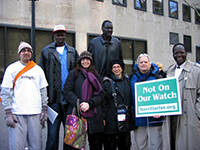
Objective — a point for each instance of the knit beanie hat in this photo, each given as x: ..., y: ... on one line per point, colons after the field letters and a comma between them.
x: 86, y: 54
x: 23, y: 45
x: 117, y: 61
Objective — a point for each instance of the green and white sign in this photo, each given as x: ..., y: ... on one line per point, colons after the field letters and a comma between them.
x: 157, y: 97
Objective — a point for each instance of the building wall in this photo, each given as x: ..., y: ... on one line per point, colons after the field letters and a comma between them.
x: 86, y: 16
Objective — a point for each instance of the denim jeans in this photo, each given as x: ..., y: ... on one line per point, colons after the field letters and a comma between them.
x: 53, y: 129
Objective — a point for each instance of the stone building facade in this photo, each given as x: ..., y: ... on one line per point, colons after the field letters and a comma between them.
x: 151, y: 26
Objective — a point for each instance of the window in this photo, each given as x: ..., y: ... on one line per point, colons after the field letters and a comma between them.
x: 173, y: 38
x: 131, y: 49
x: 90, y: 37
x: 173, y: 9
x: 120, y: 2
x: 158, y: 7
x: 127, y: 51
x: 197, y: 16
x: 46, y: 37
x: 1, y: 52
x: 197, y: 53
x: 16, y: 34
x: 140, y: 5
x: 187, y: 42
x: 140, y: 46
x: 186, y: 13
x: 100, y: 0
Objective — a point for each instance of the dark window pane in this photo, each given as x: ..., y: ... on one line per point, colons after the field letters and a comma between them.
x: 173, y: 38
x: 90, y: 37
x: 1, y: 52
x: 197, y: 16
x: 158, y: 7
x: 127, y: 48
x: 197, y: 54
x: 42, y: 39
x: 139, y: 48
x: 186, y: 13
x: 16, y: 36
x: 120, y: 2
x: 140, y: 4
x: 187, y: 41
x: 70, y: 39
x: 173, y: 9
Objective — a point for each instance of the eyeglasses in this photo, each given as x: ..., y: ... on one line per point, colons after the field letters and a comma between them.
x: 26, y: 50
x: 116, y: 67
x: 85, y: 59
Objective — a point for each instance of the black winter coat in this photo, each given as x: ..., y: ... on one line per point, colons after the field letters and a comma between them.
x: 103, y: 52
x: 73, y: 91
x: 50, y: 63
x: 123, y: 90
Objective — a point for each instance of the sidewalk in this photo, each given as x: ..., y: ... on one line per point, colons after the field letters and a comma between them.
x: 4, y: 134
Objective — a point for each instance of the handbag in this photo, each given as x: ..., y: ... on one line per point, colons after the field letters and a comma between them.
x: 75, y: 129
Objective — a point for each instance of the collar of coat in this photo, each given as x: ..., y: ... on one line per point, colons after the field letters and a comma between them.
x: 104, y: 41
x: 186, y: 68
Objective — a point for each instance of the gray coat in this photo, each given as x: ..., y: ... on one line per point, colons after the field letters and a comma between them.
x: 188, y: 124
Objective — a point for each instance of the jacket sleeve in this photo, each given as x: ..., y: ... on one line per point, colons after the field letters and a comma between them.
x: 108, y: 95
x: 97, y: 99
x: 42, y: 62
x: 6, y: 96
x: 44, y: 98
x: 76, y: 57
x: 197, y: 105
x: 69, y: 94
x: 121, y: 55
x: 90, y: 48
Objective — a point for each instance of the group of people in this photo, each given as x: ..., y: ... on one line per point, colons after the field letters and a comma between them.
x: 106, y: 95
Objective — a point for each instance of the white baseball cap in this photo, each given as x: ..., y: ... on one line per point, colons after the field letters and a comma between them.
x: 59, y: 27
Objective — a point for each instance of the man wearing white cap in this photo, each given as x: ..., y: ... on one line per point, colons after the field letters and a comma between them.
x: 57, y: 59
x: 24, y: 98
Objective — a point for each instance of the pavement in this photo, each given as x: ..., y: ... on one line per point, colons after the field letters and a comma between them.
x: 4, y: 144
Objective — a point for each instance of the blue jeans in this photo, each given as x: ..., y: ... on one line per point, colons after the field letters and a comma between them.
x: 53, y: 129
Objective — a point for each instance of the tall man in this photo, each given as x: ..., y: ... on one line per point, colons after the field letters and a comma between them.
x: 24, y: 98
x: 57, y: 59
x: 185, y: 128
x: 148, y: 135
x: 104, y: 49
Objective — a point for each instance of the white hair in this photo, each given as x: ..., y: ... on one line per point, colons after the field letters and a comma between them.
x: 143, y: 55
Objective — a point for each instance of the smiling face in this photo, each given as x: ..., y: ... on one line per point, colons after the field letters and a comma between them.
x: 25, y: 55
x: 85, y: 63
x: 60, y: 37
x: 117, y: 70
x: 179, y: 54
x: 144, y: 64
x: 107, y: 30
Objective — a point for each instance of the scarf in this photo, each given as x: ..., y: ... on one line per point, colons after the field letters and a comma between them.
x: 89, y: 85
